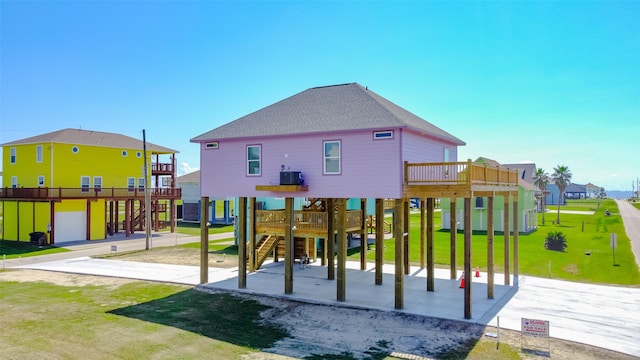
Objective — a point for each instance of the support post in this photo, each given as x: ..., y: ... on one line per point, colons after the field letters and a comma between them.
x: 507, y: 250
x: 398, y: 233
x: 516, y: 230
x: 252, y: 234
x: 363, y: 235
x: 331, y: 220
x: 88, y: 219
x: 242, y: 242
x: 490, y: 255
x: 288, y: 245
x: 204, y: 240
x: 341, y: 227
x: 431, y: 268
x: 406, y: 215
x: 379, y: 240
x: 52, y: 219
x: 423, y: 232
x: 453, y: 232
x: 467, y: 258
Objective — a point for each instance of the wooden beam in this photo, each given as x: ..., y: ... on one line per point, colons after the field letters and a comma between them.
x: 398, y: 233
x: 379, y: 240
x: 341, y: 226
x: 363, y: 235
x: 289, y: 222
x: 204, y: 239
x: 516, y: 230
x: 467, y: 258
x: 88, y: 220
x: 331, y: 221
x: 282, y: 188
x: 453, y: 233
x: 431, y: 267
x: 52, y: 222
x: 490, y: 255
x: 241, y: 225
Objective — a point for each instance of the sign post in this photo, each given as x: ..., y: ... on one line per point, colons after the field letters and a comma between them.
x: 613, y: 241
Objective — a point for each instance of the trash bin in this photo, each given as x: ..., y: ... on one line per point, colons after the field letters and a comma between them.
x: 38, y: 238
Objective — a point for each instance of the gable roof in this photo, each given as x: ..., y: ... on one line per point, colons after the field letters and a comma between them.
x: 486, y: 161
x: 94, y: 138
x: 575, y: 188
x: 525, y: 171
x: 328, y: 108
x: 192, y: 177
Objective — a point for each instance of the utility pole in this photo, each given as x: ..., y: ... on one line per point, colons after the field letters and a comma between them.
x: 147, y: 195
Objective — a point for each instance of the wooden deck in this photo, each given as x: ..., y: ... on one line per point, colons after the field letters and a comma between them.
x: 307, y: 223
x: 59, y: 194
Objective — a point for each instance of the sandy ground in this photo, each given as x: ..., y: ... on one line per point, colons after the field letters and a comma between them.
x: 318, y: 329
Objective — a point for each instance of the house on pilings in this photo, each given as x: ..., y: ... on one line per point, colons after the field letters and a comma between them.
x: 77, y: 184
x: 334, y: 146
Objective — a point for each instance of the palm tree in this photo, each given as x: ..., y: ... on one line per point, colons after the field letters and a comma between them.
x: 541, y: 179
x: 562, y: 178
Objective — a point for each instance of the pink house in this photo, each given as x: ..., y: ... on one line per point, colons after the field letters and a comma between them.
x: 327, y: 145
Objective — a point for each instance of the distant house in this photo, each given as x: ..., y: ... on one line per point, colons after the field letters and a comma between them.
x: 553, y: 194
x: 84, y: 185
x: 527, y: 209
x: 593, y: 191
x: 575, y: 191
x: 191, y: 201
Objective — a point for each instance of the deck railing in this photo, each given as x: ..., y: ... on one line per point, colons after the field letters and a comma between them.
x: 458, y: 173
x: 44, y: 193
x: 310, y: 221
x: 161, y: 168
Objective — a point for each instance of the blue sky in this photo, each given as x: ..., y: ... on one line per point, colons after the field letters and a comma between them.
x: 555, y: 83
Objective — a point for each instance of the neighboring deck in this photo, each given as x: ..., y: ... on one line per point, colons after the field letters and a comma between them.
x: 45, y: 194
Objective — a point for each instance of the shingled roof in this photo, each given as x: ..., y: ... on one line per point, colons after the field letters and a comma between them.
x: 95, y: 138
x: 322, y: 109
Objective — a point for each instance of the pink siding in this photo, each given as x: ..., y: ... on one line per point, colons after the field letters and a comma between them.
x: 417, y: 148
x: 370, y: 168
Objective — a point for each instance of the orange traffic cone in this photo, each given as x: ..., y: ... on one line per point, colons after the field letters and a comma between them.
x: 462, y: 281
x: 477, y: 271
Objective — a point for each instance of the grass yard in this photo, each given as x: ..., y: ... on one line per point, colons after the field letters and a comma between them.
x: 16, y: 249
x: 587, y: 258
x: 194, y: 229
x: 136, y: 320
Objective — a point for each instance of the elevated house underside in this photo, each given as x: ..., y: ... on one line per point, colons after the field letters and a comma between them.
x: 289, y: 234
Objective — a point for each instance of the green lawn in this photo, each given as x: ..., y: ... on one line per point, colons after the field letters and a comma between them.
x: 133, y: 321
x: 588, y: 257
x: 194, y: 229
x: 16, y: 249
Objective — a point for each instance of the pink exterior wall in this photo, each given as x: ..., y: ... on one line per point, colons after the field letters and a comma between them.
x: 417, y: 148
x: 370, y: 168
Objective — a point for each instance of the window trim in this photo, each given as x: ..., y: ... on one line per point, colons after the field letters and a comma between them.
x: 141, y: 184
x: 383, y: 135
x: 14, y: 182
x: 85, y: 187
x: 259, y: 160
x: 40, y: 180
x: 13, y: 156
x: 212, y: 145
x: 325, y: 157
x: 482, y: 206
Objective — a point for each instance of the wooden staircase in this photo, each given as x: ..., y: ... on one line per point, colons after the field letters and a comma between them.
x: 264, y: 248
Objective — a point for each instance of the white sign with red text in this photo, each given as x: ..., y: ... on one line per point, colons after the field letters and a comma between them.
x: 533, y: 327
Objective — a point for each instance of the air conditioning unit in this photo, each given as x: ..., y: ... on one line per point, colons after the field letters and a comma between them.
x: 291, y: 178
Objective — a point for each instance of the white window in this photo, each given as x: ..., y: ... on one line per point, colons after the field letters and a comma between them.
x: 85, y: 183
x: 12, y: 155
x: 38, y: 153
x: 254, y: 160
x: 381, y: 135
x: 97, y: 183
x: 211, y: 145
x: 40, y: 180
x: 131, y: 183
x: 14, y: 182
x: 140, y: 183
x: 446, y: 159
x: 332, y: 157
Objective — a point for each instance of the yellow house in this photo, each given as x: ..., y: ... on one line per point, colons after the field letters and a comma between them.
x: 84, y: 185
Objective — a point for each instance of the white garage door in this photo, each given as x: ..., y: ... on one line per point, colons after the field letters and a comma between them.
x: 70, y: 226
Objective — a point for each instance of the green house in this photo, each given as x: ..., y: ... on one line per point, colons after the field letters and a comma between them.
x: 527, y: 212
